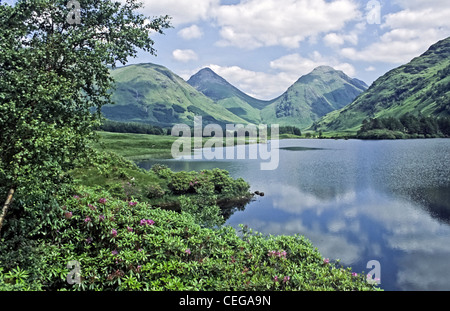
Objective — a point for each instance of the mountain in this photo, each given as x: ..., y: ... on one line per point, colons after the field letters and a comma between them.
x: 228, y: 96
x: 313, y: 96
x: 150, y: 93
x: 421, y: 87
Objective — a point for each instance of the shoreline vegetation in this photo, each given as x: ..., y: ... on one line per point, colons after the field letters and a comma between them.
x: 132, y: 229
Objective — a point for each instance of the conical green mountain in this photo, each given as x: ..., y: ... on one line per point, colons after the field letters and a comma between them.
x: 150, y: 93
x: 228, y: 96
x: 313, y: 96
x: 421, y: 87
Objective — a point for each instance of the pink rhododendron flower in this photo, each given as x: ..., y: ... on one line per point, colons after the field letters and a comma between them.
x: 145, y: 222
x: 114, y: 232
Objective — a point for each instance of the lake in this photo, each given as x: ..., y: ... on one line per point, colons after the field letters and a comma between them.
x: 356, y: 201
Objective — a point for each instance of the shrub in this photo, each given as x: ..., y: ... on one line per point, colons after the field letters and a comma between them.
x: 122, y: 246
x: 162, y: 171
x: 155, y: 192
x: 180, y: 182
x: 130, y: 245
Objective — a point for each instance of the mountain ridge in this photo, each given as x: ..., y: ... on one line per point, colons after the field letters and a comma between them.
x: 227, y: 95
x: 420, y: 87
x: 151, y: 93
x: 312, y: 96
x: 304, y: 102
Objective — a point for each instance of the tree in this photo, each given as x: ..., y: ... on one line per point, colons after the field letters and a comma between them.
x: 54, y: 80
x: 411, y: 123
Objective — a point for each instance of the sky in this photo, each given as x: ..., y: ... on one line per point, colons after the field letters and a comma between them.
x: 264, y: 46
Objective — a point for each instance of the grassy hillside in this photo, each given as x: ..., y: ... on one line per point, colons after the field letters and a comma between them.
x: 153, y: 94
x: 313, y: 96
x: 421, y: 87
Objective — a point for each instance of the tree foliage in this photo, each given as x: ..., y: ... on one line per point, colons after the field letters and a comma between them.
x: 131, y: 127
x: 406, y: 126
x: 54, y: 79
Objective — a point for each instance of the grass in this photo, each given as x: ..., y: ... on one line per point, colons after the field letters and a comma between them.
x: 144, y: 146
x: 136, y: 146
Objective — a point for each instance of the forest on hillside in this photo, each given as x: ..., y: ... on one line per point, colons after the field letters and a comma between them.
x: 407, y: 126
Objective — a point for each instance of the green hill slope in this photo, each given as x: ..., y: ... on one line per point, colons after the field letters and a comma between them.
x: 228, y: 96
x: 421, y: 87
x: 313, y: 96
x: 153, y: 94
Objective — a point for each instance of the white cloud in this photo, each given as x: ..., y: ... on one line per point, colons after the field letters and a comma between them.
x: 257, y: 84
x: 192, y: 32
x: 333, y: 39
x: 409, y: 32
x: 184, y: 55
x: 257, y: 23
x: 288, y: 69
x: 182, y: 12
x: 398, y: 46
x: 351, y: 37
x: 296, y: 65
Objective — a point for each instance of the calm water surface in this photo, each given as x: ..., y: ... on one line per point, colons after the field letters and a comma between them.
x: 356, y: 201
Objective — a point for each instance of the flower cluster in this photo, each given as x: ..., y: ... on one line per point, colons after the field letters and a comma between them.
x: 285, y: 279
x: 114, y: 232
x: 371, y: 280
x: 279, y: 254
x: 116, y: 274
x: 146, y: 222
x: 192, y: 184
x: 102, y: 201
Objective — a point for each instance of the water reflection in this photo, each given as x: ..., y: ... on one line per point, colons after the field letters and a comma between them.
x: 356, y: 201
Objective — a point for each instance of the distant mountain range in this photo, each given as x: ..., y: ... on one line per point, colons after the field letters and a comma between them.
x: 421, y: 87
x: 325, y: 99
x: 153, y: 94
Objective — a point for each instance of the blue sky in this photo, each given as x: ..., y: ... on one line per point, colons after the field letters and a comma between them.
x: 264, y: 46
